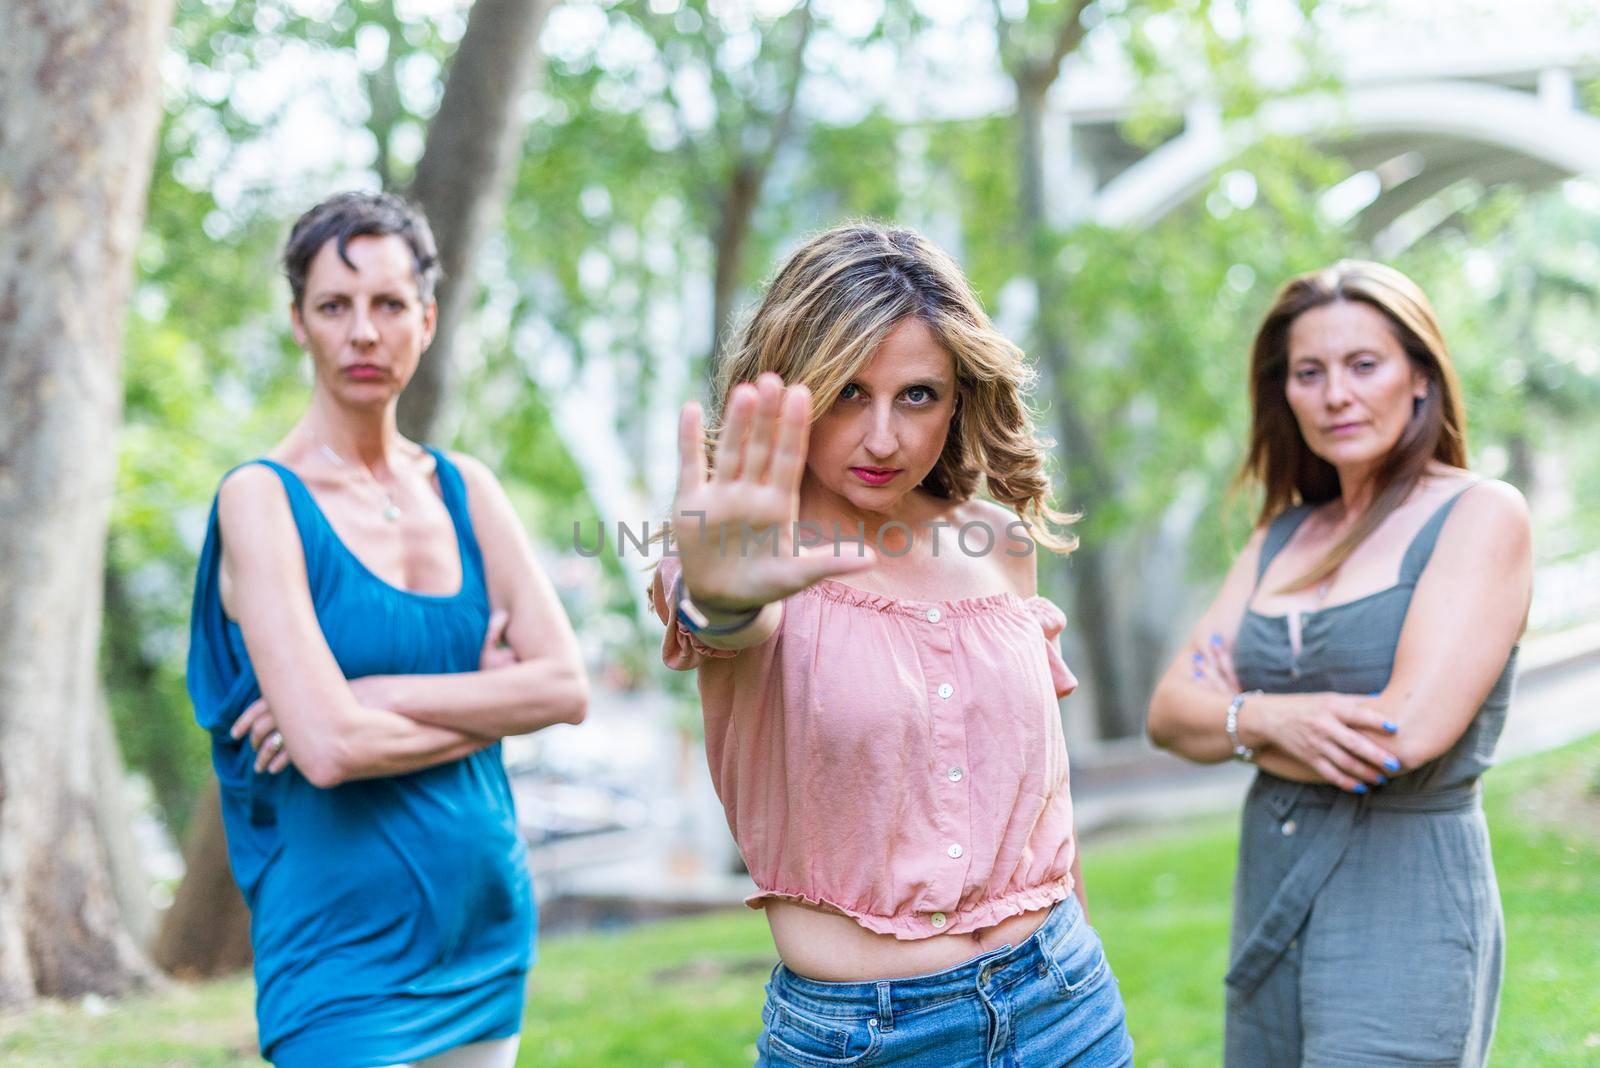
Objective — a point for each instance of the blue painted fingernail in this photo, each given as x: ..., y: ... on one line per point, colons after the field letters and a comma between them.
x: 1359, y: 788
x: 1198, y: 658
x: 1382, y: 780
x: 1392, y: 764
x: 1390, y: 726
x: 1216, y: 639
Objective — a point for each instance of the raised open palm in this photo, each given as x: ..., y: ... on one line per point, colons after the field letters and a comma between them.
x: 735, y: 525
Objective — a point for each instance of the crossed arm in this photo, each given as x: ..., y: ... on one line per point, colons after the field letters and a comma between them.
x: 1467, y: 610
x: 336, y: 730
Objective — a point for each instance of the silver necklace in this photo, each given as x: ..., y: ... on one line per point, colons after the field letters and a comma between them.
x: 391, y: 511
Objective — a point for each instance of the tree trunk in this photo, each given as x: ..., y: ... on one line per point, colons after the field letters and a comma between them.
x: 207, y: 930
x: 1088, y: 482
x: 466, y: 166
x: 127, y: 668
x: 1520, y: 470
x: 742, y: 197
x: 727, y: 252
x: 79, y: 100
x: 130, y: 886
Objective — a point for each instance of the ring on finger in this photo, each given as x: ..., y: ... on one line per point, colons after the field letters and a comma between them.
x: 275, y: 741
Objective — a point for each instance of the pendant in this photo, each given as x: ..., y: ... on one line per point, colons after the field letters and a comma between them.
x: 391, y: 512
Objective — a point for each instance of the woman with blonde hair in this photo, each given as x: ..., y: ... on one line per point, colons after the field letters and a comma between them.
x: 1361, y: 654
x: 888, y: 749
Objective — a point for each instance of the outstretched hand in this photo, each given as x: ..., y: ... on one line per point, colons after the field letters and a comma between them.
x: 735, y: 525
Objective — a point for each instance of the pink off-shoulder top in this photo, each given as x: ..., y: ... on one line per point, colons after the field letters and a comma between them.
x: 899, y: 761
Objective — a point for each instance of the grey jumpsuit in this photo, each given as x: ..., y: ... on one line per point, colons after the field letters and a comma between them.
x: 1366, y: 928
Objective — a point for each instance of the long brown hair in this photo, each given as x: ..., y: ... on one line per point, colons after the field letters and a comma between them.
x: 832, y: 303
x: 1279, y: 457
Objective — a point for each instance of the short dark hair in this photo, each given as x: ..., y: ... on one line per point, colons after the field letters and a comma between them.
x: 347, y: 215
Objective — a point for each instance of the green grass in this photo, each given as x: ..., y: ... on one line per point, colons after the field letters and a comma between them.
x: 688, y: 992
x: 195, y: 1025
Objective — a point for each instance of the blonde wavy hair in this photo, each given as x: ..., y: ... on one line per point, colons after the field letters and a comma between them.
x: 823, y: 315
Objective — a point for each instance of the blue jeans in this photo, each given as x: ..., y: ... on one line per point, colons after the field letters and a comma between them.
x: 1047, y: 1003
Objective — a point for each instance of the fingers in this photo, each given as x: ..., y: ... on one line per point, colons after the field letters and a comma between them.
x: 495, y: 654
x: 247, y: 718
x: 1352, y: 774
x: 265, y: 724
x: 499, y: 619
x: 1222, y: 652
x: 821, y: 563
x: 1344, y: 749
x: 794, y: 429
x: 272, y: 747
x: 1208, y: 672
x: 256, y: 722
x: 1322, y: 766
x: 1372, y: 753
x: 1360, y: 718
x: 764, y: 429
x: 495, y: 636
x: 729, y: 458
x: 495, y: 659
x: 1367, y: 719
x: 279, y: 762
x: 691, y: 448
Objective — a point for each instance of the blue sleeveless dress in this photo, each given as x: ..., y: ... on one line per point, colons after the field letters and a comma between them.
x: 391, y: 918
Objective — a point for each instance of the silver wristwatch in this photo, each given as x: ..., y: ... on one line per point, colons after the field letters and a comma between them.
x: 1240, y: 750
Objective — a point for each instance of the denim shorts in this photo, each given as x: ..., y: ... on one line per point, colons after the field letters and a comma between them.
x: 1047, y: 1003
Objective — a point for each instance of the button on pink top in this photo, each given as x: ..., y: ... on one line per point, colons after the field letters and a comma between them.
x: 900, y: 761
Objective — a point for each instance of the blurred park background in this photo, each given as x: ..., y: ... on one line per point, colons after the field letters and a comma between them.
x: 1126, y: 182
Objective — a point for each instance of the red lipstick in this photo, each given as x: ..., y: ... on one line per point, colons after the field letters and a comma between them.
x: 876, y: 476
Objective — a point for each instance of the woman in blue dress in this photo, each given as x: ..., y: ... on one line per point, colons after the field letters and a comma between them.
x: 369, y: 621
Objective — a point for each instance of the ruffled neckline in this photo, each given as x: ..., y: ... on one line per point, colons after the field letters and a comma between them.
x: 844, y: 593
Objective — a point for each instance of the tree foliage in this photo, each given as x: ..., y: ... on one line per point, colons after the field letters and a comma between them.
x: 601, y: 296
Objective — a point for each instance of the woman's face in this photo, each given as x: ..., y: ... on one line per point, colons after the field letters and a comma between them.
x: 364, y: 328
x: 1351, y: 385
x: 888, y: 426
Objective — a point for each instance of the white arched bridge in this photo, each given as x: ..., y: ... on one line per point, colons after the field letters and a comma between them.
x: 1427, y: 130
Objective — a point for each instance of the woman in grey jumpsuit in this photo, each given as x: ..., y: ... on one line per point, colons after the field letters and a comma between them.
x: 1361, y: 652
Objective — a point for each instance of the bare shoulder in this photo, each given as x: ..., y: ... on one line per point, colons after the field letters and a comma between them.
x: 1011, y: 548
x: 1490, y: 512
x: 483, y: 488
x: 1492, y: 496
x: 257, y: 524
x: 251, y: 495
x: 1250, y: 554
x: 472, y: 469
x: 1228, y: 606
x: 501, y: 536
x: 979, y: 510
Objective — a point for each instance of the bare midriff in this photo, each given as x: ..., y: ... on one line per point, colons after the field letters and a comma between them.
x: 822, y: 944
